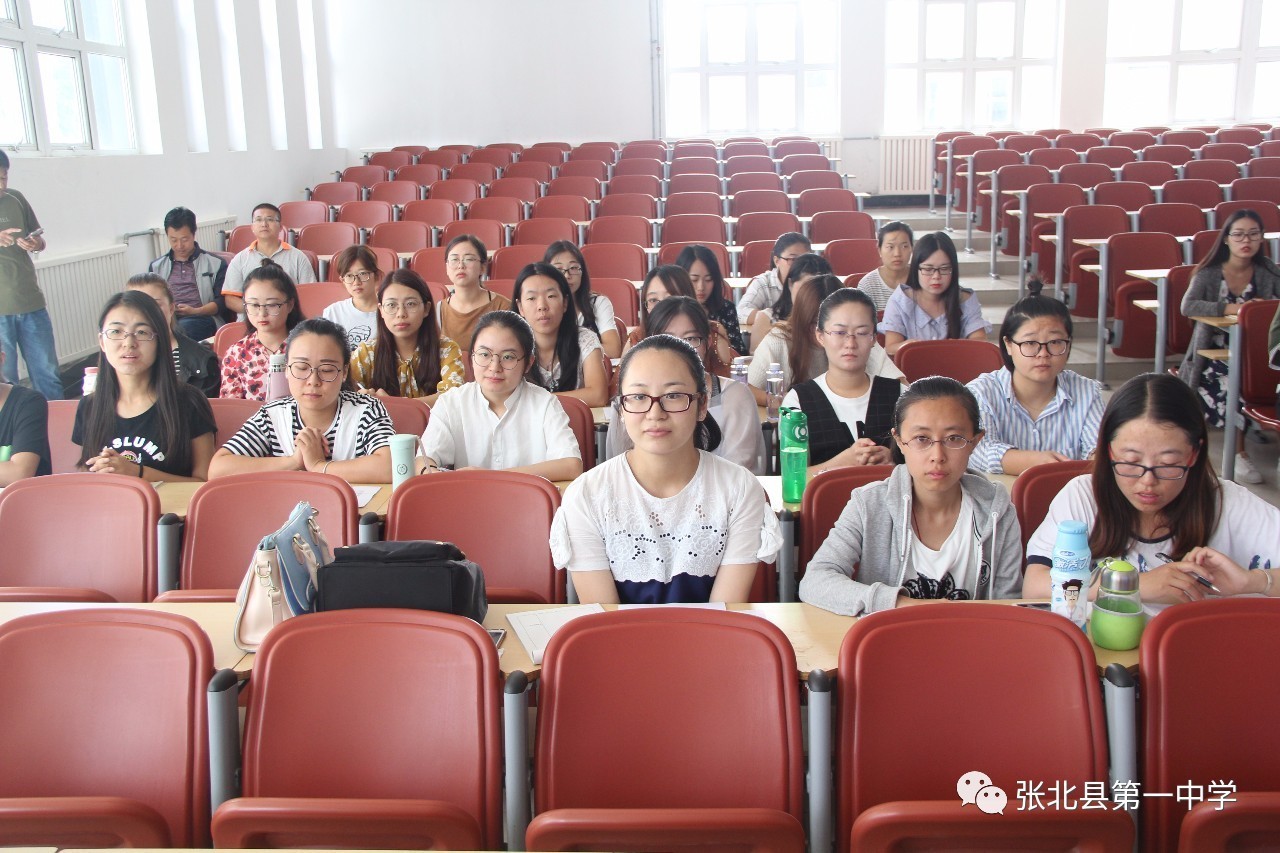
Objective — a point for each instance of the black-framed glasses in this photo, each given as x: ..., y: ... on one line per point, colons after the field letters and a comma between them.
x: 930, y: 272
x: 672, y: 402
x: 271, y: 309
x: 1031, y: 349
x: 1242, y: 236
x: 303, y: 370
x: 1134, y: 471
x: 362, y: 276
x: 572, y: 269
x: 859, y: 337
x: 921, y: 443
x: 142, y: 336
x: 506, y: 360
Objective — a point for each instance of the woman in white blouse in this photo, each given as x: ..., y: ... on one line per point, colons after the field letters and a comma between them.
x: 501, y: 421
x: 667, y: 521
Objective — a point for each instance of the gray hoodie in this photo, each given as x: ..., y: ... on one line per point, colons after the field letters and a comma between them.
x: 866, y: 558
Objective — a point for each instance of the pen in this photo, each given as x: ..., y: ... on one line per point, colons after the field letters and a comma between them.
x: 1203, y: 581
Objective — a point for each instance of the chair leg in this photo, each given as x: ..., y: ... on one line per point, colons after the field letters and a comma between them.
x: 515, y: 712
x: 821, y: 815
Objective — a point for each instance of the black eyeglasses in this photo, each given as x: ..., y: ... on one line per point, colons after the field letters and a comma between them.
x: 671, y: 403
x: 1162, y: 472
x: 302, y: 370
x: 1031, y: 349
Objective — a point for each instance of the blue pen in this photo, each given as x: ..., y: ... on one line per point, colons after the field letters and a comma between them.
x: 1203, y: 581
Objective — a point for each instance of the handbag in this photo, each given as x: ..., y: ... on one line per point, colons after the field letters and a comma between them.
x: 418, y: 575
x: 281, y: 580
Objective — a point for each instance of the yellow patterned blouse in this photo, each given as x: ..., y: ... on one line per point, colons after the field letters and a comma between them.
x: 451, y: 374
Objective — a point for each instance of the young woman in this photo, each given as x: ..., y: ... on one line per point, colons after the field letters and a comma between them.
x: 895, y: 240
x: 501, y: 421
x: 595, y: 311
x: 666, y: 521
x: 790, y: 343
x: 468, y: 299
x: 568, y: 355
x: 850, y: 412
x: 409, y: 357
x: 1153, y: 497
x: 140, y: 420
x: 803, y: 268
x: 731, y: 404
x: 358, y: 271
x: 932, y: 305
x: 928, y: 532
x: 1233, y: 272
x: 24, y: 433
x: 708, y: 288
x: 765, y: 289
x: 194, y: 362
x: 661, y: 282
x: 1035, y: 410
x: 319, y: 426
x: 271, y: 310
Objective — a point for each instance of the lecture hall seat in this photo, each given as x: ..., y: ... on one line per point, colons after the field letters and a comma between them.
x: 1035, y: 489
x: 759, y: 201
x: 825, y: 497
x: 962, y: 359
x: 740, y: 181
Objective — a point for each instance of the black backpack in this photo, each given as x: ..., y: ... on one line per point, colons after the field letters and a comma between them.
x: 419, y: 575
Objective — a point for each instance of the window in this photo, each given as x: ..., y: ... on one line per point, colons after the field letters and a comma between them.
x: 750, y: 66
x: 64, y: 77
x: 1215, y: 59
x: 983, y: 64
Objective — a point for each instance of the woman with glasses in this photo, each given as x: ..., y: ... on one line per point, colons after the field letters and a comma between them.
x: 730, y: 404
x: 194, y: 362
x: 850, y: 412
x: 408, y: 357
x: 1153, y: 498
x: 594, y: 310
x: 801, y: 268
x: 932, y: 305
x: 319, y: 426
x: 765, y: 289
x: 568, y: 356
x: 468, y: 300
x: 1035, y: 410
x: 1234, y: 271
x: 501, y: 421
x: 271, y: 311
x: 930, y: 531
x: 358, y: 271
x: 140, y: 420
x: 667, y: 521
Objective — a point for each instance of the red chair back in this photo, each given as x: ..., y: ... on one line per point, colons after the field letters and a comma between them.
x: 583, y: 424
x: 457, y: 190
x: 1110, y: 155
x: 1258, y: 379
x: 825, y: 497
x: 620, y: 229
x: 328, y: 238
x: 628, y: 204
x: 742, y: 181
x: 616, y: 260
x: 624, y: 296
x: 400, y: 236
x: 544, y: 231
x: 508, y: 261
x: 422, y: 174
x: 1177, y: 218
x: 365, y: 176
x: 335, y: 192
x: 851, y: 256
x: 228, y: 334
x: 670, y: 251
x: 755, y: 201
x: 436, y: 212
x: 814, y: 179
x: 816, y: 201
x: 64, y: 455
x: 229, y: 414
x: 764, y: 225
x: 632, y: 180
x: 961, y: 359
x: 314, y: 298
x: 700, y: 203
x: 1036, y: 488
x: 502, y: 209
x: 1201, y: 192
x: 525, y: 189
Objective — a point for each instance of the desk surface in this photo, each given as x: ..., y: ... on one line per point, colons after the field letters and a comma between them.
x: 176, y: 497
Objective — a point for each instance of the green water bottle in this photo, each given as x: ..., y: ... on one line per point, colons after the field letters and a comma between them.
x: 6, y: 452
x: 793, y: 444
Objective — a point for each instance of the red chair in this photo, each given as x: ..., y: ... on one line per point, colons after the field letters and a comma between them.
x: 593, y: 152
x: 1256, y: 189
x: 1131, y: 195
x: 429, y: 263
x: 785, y: 147
x: 295, y: 214
x: 1024, y: 143
x: 573, y: 207
x: 733, y: 772
x: 543, y: 232
x: 742, y: 181
x: 40, y: 555
x: 1135, y: 140
x: 1171, y: 217
x: 1264, y: 167
x: 365, y: 176
x: 422, y: 174
x: 64, y: 455
x: 694, y: 182
x: 334, y: 192
x: 396, y: 193
x: 764, y: 225
x: 328, y: 238
x: 627, y: 182
x: 620, y: 229
x: 1134, y: 330
x: 464, y: 151
x: 693, y: 228
x: 508, y: 261
x: 1154, y: 173
x: 594, y: 169
x: 501, y: 286
x: 482, y: 173
x: 435, y: 212
x: 1035, y: 489
x: 526, y: 190
x: 1236, y: 152
x: 1155, y: 130
x: 756, y: 258
x: 1257, y: 378
x: 549, y: 156
x: 575, y: 185
x: 409, y: 416
x: 1182, y: 682
x: 456, y: 190
x: 1178, y: 325
x: 1218, y: 171
x: 1078, y: 142
x: 1085, y: 175
x: 814, y: 179
x: 240, y: 238
x: 499, y: 158
x: 743, y: 147
x: 227, y: 334
x: 792, y: 163
x: 1188, y: 137
x: 360, y: 761
x: 229, y: 414
x: 1241, y: 135
x: 582, y: 422
x: 829, y: 225
x: 970, y: 178
x: 816, y: 201
x: 644, y: 151
x: 1266, y: 210
x: 852, y: 256
x: 1173, y: 154
x: 682, y: 203
x: 400, y: 236
x: 961, y: 359
x: 1110, y: 155
x: 825, y: 497
x: 508, y: 211
x: 441, y: 159
x: 1019, y: 176
x: 624, y: 296
x: 1198, y: 191
x: 390, y: 159
x: 531, y: 169
x: 756, y: 201
x: 1249, y: 821
x: 492, y: 234
x: 748, y: 163
x: 109, y: 744
x: 1048, y: 198
x: 904, y: 789
x: 517, y: 565
x: 616, y: 260
x: 365, y: 214
x: 628, y: 204
x: 315, y: 297
x: 670, y: 251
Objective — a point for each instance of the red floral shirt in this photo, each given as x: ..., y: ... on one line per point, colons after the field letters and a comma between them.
x: 244, y: 369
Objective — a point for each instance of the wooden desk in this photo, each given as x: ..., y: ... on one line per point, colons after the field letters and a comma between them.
x: 175, y: 498
x: 1160, y: 278
x: 1232, y: 355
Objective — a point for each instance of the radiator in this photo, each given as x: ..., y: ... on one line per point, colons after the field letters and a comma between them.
x: 906, y: 166
x: 208, y: 235
x: 75, y: 289
x: 830, y: 147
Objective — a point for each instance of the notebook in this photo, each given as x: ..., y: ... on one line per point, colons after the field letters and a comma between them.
x: 535, y: 627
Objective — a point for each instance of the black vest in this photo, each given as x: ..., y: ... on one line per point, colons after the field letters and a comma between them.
x: 828, y: 435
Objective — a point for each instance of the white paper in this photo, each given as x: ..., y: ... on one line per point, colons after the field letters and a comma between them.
x: 535, y: 627
x: 364, y: 494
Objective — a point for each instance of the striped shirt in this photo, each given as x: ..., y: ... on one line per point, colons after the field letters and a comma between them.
x: 1068, y: 425
x: 373, y: 429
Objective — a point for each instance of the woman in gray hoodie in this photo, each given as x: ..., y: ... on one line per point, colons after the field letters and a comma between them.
x: 931, y: 530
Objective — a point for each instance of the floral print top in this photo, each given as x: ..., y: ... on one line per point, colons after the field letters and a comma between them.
x: 245, y: 368
x: 451, y: 369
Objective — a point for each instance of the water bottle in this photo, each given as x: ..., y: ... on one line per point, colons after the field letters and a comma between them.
x: 773, y: 392
x: 793, y: 442
x: 277, y: 380
x: 739, y: 369
x: 90, y: 381
x: 1070, y: 574
x: 403, y: 447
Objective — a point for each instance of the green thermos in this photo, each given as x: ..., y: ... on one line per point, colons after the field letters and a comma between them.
x: 793, y: 447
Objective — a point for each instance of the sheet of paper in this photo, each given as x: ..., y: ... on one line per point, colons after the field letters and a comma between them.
x: 535, y: 627
x: 364, y: 494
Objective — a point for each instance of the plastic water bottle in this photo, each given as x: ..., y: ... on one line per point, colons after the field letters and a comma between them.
x: 793, y: 441
x: 1070, y: 574
x: 90, y: 381
x: 277, y: 381
x: 739, y: 369
x: 773, y: 391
